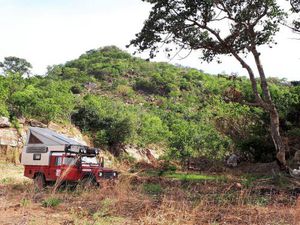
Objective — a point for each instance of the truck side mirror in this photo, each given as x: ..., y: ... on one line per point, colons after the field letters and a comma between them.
x: 101, y: 161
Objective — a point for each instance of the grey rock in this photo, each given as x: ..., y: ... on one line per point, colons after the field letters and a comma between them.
x: 297, y: 156
x: 232, y: 161
x: 21, y: 120
x: 90, y: 86
x: 4, y: 122
x: 35, y: 123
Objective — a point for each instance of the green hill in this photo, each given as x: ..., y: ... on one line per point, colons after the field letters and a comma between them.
x: 116, y: 99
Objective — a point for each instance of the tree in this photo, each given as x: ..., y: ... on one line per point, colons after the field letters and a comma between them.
x: 296, y: 9
x: 202, y: 25
x: 13, y: 64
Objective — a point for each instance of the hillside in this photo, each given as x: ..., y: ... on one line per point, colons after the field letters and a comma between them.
x: 119, y: 99
x: 119, y: 102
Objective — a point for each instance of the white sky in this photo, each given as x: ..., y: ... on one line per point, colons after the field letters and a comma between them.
x: 47, y: 32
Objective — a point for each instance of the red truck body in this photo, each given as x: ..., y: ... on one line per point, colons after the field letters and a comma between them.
x: 68, y: 172
x: 51, y: 157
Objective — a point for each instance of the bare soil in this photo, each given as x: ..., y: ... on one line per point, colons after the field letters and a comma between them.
x: 148, y: 199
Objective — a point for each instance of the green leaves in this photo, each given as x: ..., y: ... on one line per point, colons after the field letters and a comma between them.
x: 182, y: 111
x: 152, y: 130
x: 13, y: 64
x: 194, y: 25
x: 47, y: 101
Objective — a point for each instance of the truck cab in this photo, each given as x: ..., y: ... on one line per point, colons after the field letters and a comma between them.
x: 49, y: 157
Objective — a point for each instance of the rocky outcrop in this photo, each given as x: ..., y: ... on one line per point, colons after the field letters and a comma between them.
x: 35, y: 123
x: 149, y: 155
x: 11, y: 143
x: 297, y: 157
x: 70, y: 131
x: 12, y: 140
x: 232, y: 161
x: 12, y: 137
x: 4, y: 122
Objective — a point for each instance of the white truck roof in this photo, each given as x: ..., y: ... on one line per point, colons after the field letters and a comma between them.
x: 41, y: 142
x: 48, y: 137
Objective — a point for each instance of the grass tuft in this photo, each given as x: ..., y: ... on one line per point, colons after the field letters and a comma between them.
x: 194, y: 177
x: 51, y: 202
x: 152, y: 189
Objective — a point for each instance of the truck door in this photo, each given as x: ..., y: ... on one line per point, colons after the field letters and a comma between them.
x: 55, y: 167
x: 70, y: 168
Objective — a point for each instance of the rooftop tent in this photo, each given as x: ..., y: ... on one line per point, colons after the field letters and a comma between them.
x: 47, y: 137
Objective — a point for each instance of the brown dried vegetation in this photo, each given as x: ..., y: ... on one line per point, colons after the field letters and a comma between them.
x: 141, y: 199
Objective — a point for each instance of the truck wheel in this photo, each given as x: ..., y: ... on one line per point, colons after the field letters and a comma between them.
x: 87, y: 182
x: 39, y: 182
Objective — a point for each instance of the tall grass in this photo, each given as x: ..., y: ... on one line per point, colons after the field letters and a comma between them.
x: 149, y: 200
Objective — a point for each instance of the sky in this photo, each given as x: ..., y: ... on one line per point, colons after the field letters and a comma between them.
x: 49, y: 32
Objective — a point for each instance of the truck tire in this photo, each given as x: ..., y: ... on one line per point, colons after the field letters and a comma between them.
x: 39, y: 182
x: 88, y: 182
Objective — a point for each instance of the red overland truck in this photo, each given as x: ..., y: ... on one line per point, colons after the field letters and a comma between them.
x: 49, y: 157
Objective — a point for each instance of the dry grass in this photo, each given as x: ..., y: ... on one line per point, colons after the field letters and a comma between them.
x: 10, y: 173
x: 164, y: 201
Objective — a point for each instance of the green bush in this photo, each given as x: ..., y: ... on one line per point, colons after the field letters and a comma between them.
x: 181, y: 110
x: 152, y: 189
x: 76, y: 89
x: 295, y: 132
x: 109, y: 123
x: 125, y: 90
x: 145, y: 86
x: 152, y: 130
x: 51, y: 202
x: 3, y: 109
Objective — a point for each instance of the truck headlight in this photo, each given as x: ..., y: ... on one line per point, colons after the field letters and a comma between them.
x: 100, y: 174
x: 114, y: 174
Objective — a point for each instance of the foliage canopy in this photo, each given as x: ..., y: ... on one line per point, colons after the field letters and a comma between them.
x: 183, y: 111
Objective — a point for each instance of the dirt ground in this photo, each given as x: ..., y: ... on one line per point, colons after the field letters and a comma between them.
x: 148, y: 199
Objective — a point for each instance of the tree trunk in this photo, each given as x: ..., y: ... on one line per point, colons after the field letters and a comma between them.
x: 267, y: 104
x: 276, y: 137
x: 270, y: 107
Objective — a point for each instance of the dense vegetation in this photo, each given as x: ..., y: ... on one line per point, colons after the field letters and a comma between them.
x: 119, y: 99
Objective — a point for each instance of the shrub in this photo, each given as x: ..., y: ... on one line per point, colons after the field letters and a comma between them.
x: 152, y: 130
x: 152, y: 189
x: 119, y: 131
x: 69, y: 72
x: 76, y: 89
x: 295, y: 132
x: 25, y: 202
x: 167, y: 166
x: 145, y: 86
x: 51, y: 202
x: 87, y: 118
x: 3, y: 109
x: 125, y: 90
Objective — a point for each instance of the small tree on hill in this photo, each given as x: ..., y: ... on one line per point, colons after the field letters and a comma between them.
x: 13, y: 64
x: 218, y: 27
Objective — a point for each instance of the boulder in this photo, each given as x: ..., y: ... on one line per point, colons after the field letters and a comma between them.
x: 297, y: 157
x: 35, y: 123
x: 232, y: 161
x: 9, y: 137
x: 90, y: 86
x: 296, y: 172
x: 149, y: 155
x: 4, y: 122
x: 21, y: 120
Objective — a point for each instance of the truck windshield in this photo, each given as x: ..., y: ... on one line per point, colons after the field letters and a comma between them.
x: 69, y: 161
x: 89, y: 160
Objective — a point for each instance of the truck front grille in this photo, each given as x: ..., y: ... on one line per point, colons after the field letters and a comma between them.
x: 108, y: 175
